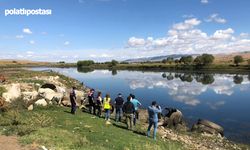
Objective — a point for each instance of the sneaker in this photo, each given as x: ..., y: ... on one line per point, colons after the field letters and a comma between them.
x: 105, y: 118
x: 119, y: 121
x: 154, y: 138
x: 108, y: 119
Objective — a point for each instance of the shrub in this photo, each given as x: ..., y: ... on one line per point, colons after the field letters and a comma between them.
x: 81, y: 142
x: 4, y: 106
x: 41, y: 120
x: 2, y: 90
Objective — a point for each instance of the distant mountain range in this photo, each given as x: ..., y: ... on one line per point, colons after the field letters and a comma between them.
x: 158, y: 58
x: 218, y: 57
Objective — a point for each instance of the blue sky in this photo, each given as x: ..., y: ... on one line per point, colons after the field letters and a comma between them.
x: 103, y: 30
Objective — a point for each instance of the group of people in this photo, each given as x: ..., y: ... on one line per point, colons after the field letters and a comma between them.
x: 129, y: 109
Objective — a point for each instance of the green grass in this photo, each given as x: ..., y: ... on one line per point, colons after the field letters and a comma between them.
x: 80, y: 131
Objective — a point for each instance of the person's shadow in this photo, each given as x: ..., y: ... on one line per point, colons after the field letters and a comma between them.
x: 67, y: 111
x: 136, y: 132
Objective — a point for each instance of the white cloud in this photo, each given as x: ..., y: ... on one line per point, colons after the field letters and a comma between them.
x: 66, y: 43
x: 43, y: 32
x: 187, y: 25
x: 188, y: 16
x: 92, y: 55
x: 32, y: 42
x: 62, y: 35
x: 135, y: 42
x: 64, y: 56
x: 19, y: 37
x: 19, y: 56
x: 27, y: 31
x: 81, y: 1
x: 6, y: 37
x: 220, y: 20
x: 76, y: 56
x: 244, y: 35
x: 222, y: 34
x: 204, y: 1
x: 172, y: 32
x: 211, y: 17
x: 105, y: 55
x: 30, y: 53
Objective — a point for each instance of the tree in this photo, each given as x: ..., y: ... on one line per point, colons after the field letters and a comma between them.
x: 170, y: 59
x: 249, y: 62
x: 164, y: 61
x: 238, y: 59
x: 85, y: 63
x: 207, y: 58
x: 238, y: 79
x: 198, y: 60
x: 183, y: 59
x: 189, y: 59
x: 176, y: 61
x: 114, y: 62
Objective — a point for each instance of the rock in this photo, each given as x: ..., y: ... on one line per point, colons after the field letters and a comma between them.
x: 13, y: 93
x: 211, y: 125
x: 30, y: 107
x: 56, y: 77
x: 46, y: 93
x: 174, y: 119
x: 66, y: 103
x: 29, y: 95
x: 108, y: 123
x: 180, y: 127
x: 41, y: 102
x: 202, y: 128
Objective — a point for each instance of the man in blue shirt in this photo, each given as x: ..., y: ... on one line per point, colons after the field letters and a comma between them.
x: 73, y: 101
x: 153, y: 117
x: 137, y: 105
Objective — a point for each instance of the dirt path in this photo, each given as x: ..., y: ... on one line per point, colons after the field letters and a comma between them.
x: 10, y: 143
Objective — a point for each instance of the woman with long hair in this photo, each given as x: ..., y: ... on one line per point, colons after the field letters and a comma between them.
x: 99, y: 104
x: 107, y: 106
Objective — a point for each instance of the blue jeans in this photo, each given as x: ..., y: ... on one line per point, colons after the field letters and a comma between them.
x: 107, y: 113
x: 135, y: 116
x: 155, y: 127
x: 120, y: 114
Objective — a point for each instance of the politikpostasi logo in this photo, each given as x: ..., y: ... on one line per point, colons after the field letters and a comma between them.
x: 27, y: 12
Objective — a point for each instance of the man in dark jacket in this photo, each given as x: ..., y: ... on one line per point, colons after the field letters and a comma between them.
x: 118, y: 106
x: 91, y: 101
x: 129, y: 109
x: 73, y: 101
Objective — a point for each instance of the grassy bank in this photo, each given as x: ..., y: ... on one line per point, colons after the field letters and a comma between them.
x: 82, y: 131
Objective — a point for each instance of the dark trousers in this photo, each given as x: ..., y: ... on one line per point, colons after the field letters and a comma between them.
x: 73, y: 107
x: 90, y: 108
x: 99, y: 108
x: 135, y: 116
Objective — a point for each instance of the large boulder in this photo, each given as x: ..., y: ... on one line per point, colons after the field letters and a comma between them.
x: 208, y: 127
x: 29, y: 95
x: 13, y: 92
x: 46, y: 93
x: 41, y: 102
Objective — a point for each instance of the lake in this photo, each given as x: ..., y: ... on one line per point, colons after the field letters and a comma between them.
x: 223, y: 98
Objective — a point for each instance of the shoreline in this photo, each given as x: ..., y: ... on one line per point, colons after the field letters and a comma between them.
x: 79, y: 84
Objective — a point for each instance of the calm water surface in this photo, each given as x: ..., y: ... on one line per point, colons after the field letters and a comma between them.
x: 220, y: 98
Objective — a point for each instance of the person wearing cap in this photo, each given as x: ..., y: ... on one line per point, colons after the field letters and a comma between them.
x: 91, y: 101
x: 137, y: 105
x: 118, y: 106
x: 153, y: 118
x: 73, y: 101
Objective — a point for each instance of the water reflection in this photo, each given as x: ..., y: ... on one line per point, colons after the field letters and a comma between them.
x: 84, y: 70
x: 238, y: 79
